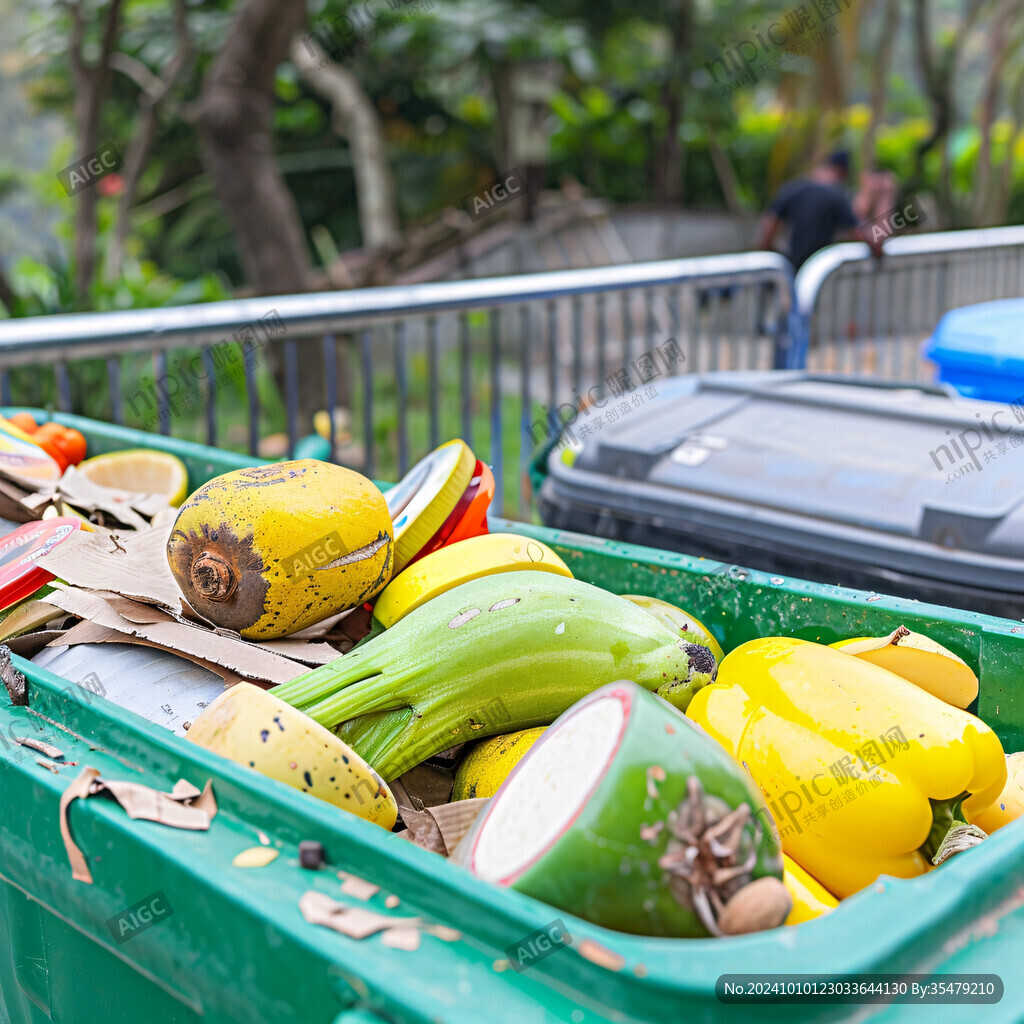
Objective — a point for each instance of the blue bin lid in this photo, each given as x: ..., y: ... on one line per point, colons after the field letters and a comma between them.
x: 985, y: 337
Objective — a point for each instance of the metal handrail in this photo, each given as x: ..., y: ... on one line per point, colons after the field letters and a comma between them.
x: 315, y: 313
x: 557, y: 326
x: 857, y: 313
x: 823, y: 264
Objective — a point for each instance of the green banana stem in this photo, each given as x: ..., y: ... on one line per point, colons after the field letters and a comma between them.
x: 497, y: 654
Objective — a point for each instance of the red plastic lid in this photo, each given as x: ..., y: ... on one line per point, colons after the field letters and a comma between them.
x: 19, y: 575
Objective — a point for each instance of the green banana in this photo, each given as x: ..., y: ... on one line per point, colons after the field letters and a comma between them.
x: 496, y: 654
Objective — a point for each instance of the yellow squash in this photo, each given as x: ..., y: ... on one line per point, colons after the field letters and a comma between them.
x: 864, y: 772
x: 490, y: 762
x: 270, y: 550
x: 810, y: 898
x: 921, y: 660
x: 1009, y: 805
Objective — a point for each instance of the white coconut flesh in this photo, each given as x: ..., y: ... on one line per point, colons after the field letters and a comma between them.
x: 548, y: 790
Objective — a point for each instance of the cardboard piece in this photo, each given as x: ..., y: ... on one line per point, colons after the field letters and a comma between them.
x: 43, y: 748
x: 79, y: 789
x: 243, y: 658
x: 91, y: 633
x: 30, y: 644
x: 133, y: 565
x: 12, y: 503
x: 179, y: 809
x: 125, y: 506
x: 440, y: 829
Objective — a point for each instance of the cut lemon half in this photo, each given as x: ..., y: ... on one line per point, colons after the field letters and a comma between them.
x: 140, y: 470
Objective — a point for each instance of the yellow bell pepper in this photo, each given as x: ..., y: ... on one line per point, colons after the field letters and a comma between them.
x: 864, y: 772
x: 810, y: 898
x: 1009, y: 805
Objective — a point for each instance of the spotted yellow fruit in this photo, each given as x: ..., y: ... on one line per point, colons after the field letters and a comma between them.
x: 490, y: 762
x: 270, y: 550
x: 253, y: 728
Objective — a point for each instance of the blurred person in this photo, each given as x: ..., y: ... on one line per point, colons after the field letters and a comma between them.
x: 817, y: 211
x: 876, y: 195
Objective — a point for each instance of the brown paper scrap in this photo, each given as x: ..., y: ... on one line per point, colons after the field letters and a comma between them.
x: 184, y: 790
x: 79, y: 788
x: 139, y: 802
x: 601, y: 955
x: 360, y: 888
x: 407, y: 939
x: 355, y: 922
x: 440, y: 829
x: 85, y: 494
x: 49, y: 750
x: 91, y: 633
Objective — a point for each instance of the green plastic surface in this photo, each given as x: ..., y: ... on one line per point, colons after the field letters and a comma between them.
x: 236, y: 948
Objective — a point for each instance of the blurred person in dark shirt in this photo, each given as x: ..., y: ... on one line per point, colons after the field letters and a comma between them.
x: 817, y: 211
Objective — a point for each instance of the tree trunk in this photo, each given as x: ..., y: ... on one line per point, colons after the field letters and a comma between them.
x: 725, y: 173
x: 667, y: 176
x: 939, y: 76
x: 234, y: 118
x: 355, y: 118
x: 155, y: 91
x: 90, y: 91
x: 1000, y: 34
x: 880, y: 83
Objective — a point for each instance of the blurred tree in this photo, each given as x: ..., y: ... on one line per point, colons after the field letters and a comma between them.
x: 234, y: 116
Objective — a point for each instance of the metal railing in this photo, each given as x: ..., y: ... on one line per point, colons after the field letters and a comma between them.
x: 858, y: 314
x: 501, y: 362
x: 506, y: 359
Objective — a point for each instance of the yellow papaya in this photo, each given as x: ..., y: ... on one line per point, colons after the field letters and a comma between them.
x: 270, y: 550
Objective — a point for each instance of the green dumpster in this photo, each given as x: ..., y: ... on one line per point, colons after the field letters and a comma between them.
x: 227, y: 944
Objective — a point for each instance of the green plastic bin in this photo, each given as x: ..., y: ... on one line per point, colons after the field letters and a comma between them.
x: 236, y: 949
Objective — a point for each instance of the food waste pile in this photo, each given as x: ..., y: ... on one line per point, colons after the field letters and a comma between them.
x: 383, y: 652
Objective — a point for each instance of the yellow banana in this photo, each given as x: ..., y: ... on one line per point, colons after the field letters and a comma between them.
x: 459, y: 563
